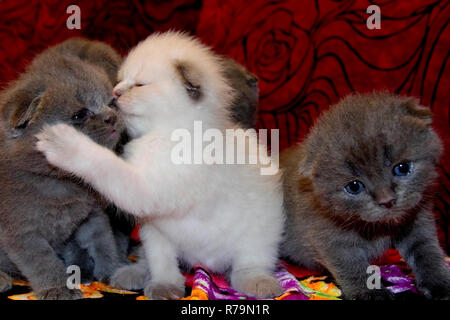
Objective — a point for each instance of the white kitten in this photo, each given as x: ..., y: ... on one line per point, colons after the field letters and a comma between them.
x: 221, y: 216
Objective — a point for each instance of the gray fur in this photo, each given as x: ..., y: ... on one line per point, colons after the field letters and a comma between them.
x: 362, y: 138
x: 135, y: 276
x: 48, y: 217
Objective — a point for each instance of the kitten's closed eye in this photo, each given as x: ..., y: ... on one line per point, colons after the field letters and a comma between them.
x: 23, y: 125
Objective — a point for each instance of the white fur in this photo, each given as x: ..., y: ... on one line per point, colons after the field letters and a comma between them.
x: 220, y: 216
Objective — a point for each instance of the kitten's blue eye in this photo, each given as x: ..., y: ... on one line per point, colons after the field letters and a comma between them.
x: 354, y: 187
x: 402, y: 169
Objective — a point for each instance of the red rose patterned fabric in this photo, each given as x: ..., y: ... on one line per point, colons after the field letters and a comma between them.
x: 307, y: 54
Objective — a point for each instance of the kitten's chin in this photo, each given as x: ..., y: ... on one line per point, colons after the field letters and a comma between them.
x: 394, y: 215
x: 126, y: 111
x: 133, y: 130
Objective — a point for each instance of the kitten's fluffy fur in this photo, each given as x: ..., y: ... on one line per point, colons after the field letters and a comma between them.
x: 136, y: 276
x: 222, y: 216
x: 46, y: 214
x: 363, y: 138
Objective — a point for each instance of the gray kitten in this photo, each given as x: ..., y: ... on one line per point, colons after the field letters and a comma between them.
x: 360, y: 183
x: 48, y: 217
x: 243, y: 112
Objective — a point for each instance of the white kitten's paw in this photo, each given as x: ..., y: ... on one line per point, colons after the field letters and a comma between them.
x: 259, y: 286
x: 60, y: 144
x: 164, y: 291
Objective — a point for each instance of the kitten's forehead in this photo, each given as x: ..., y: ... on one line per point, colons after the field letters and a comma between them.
x: 94, y: 94
x: 140, y: 68
x: 131, y: 66
x: 91, y: 92
x: 93, y: 98
x: 368, y: 139
x: 128, y: 70
x: 369, y: 157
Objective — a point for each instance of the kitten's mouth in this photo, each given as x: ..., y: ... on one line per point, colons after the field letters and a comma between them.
x: 114, y: 133
x: 388, y: 215
x: 113, y: 104
x: 125, y: 113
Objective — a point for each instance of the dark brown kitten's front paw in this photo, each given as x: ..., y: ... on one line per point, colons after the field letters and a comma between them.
x: 374, y: 294
x: 164, y: 291
x: 5, y: 282
x: 62, y: 293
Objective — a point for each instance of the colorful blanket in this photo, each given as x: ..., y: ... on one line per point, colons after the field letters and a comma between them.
x: 297, y: 283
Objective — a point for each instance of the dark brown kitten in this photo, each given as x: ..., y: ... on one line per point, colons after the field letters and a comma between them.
x: 360, y: 183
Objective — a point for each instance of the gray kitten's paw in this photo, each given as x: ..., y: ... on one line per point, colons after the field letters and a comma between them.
x: 104, y: 273
x: 5, y: 282
x: 259, y: 286
x: 61, y: 293
x: 128, y: 277
x: 164, y: 291
x: 60, y: 143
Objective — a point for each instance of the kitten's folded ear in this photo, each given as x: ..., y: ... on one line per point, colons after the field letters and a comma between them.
x: 95, y: 52
x: 233, y: 70
x: 245, y: 103
x: 423, y: 115
x: 19, y: 110
x: 191, y: 79
x: 412, y: 107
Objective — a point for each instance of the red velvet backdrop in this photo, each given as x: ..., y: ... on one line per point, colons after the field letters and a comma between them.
x: 307, y: 54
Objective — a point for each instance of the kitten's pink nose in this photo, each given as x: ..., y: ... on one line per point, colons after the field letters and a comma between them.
x: 119, y: 89
x: 385, y: 198
x: 387, y: 203
x: 116, y: 93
